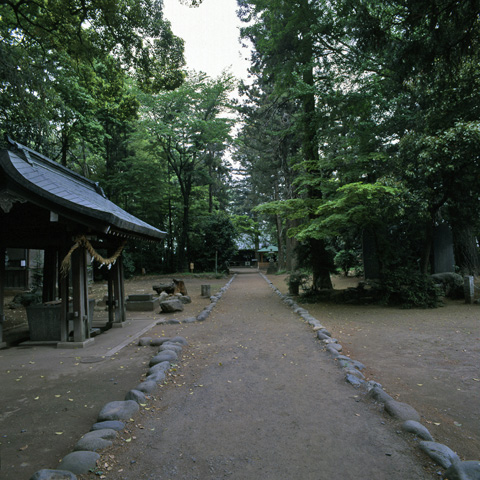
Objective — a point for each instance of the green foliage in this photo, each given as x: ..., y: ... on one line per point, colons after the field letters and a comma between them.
x: 298, y: 279
x: 214, y: 243
x: 346, y: 260
x: 408, y: 288
x: 189, y: 129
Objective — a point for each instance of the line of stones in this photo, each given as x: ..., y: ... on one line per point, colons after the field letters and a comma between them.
x: 112, y: 416
x: 441, y: 454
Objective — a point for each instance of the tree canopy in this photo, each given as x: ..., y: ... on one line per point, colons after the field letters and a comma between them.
x: 360, y: 121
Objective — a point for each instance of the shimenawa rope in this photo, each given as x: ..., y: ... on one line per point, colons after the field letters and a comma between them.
x: 83, y: 241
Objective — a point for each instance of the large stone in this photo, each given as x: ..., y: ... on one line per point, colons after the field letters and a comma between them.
x: 322, y: 336
x: 96, y: 440
x: 165, y: 356
x: 92, y: 444
x: 353, y: 380
x: 401, y: 410
x: 441, y: 454
x: 463, y: 471
x: 185, y: 299
x: 111, y: 424
x: 380, y: 395
x: 159, y: 367
x: 411, y: 426
x: 79, y: 462
x: 179, y: 339
x: 157, y: 377
x: 333, y: 351
x: 145, y: 341
x: 136, y: 396
x: 202, y: 316
x: 118, y: 410
x: 146, y: 387
x: 46, y: 474
x: 343, y: 360
x: 190, y: 320
x: 171, y: 346
x: 156, y: 342
x: 170, y: 306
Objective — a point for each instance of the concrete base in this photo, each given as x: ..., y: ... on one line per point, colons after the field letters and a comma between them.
x: 120, y: 325
x: 32, y: 343
x: 3, y: 345
x: 141, y: 305
x: 71, y: 345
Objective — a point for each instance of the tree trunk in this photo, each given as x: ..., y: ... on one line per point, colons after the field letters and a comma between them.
x: 321, y: 263
x: 466, y: 250
x: 427, y: 247
x: 291, y: 244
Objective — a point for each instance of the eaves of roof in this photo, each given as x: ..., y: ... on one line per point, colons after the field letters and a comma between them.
x: 49, y: 184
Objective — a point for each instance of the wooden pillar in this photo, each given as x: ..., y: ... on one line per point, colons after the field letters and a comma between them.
x: 119, y: 289
x: 2, y: 294
x: 111, y: 299
x: 63, y: 287
x: 80, y: 300
x: 49, y: 275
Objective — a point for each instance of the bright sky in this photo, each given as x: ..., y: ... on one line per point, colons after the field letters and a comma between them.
x: 211, y: 33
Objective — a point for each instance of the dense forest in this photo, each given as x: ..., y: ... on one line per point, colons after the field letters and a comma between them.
x: 360, y: 123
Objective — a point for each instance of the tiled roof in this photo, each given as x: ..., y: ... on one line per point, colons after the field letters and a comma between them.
x: 51, y: 182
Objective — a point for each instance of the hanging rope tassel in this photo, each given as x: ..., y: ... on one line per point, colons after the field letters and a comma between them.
x: 83, y: 241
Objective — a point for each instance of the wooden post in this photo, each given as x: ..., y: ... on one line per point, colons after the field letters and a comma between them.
x: 79, y: 273
x: 120, y: 309
x: 2, y: 294
x: 63, y: 284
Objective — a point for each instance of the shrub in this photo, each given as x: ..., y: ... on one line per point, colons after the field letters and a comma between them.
x: 408, y: 289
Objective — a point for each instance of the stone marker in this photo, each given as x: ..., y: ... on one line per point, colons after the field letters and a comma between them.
x: 205, y: 290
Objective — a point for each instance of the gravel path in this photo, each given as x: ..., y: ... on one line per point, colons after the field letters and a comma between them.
x: 256, y: 397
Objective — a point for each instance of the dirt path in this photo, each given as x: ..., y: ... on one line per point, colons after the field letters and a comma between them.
x: 429, y: 359
x: 256, y: 397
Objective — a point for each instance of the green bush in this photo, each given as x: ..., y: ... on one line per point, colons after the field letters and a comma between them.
x: 408, y: 289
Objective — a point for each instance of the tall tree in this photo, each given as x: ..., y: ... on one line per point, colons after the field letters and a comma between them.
x: 185, y: 126
x: 284, y: 36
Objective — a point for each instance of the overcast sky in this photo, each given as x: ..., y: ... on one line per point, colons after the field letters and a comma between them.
x: 211, y: 35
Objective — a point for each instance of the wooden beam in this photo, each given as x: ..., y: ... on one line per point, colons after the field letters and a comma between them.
x: 49, y: 292
x: 80, y: 301
x: 2, y: 294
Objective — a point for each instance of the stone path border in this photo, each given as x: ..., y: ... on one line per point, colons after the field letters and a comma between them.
x: 441, y: 454
x: 113, y: 415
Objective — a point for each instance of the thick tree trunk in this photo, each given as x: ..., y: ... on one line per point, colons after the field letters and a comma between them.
x: 466, y: 250
x: 291, y: 244
x: 427, y: 247
x: 320, y: 257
